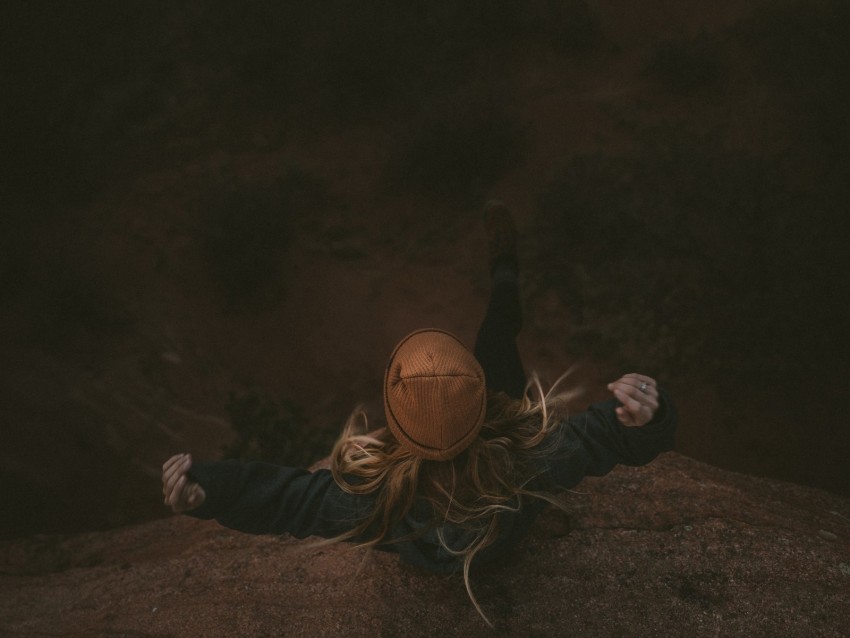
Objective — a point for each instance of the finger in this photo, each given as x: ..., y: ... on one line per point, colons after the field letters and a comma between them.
x: 629, y: 390
x: 167, y: 464
x: 175, y: 496
x: 175, y: 478
x: 631, y: 420
x: 170, y: 479
x: 174, y: 493
x: 197, y: 495
x: 642, y: 382
x: 640, y: 378
x: 166, y: 467
x: 624, y: 396
x: 181, y: 467
x: 172, y: 466
x: 640, y: 392
x: 168, y: 476
x: 647, y: 397
x: 192, y: 496
x: 624, y: 417
x: 639, y: 406
x: 169, y: 490
x: 181, y: 496
x: 171, y: 460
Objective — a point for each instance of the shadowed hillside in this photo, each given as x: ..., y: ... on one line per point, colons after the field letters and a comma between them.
x: 203, y: 202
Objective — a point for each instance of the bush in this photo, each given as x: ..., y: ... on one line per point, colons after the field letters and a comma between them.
x: 71, y: 307
x: 456, y: 152
x: 690, y: 257
x: 801, y: 44
x: 686, y: 65
x: 803, y: 49
x: 272, y: 431
x: 374, y: 55
x: 569, y: 25
x: 246, y: 232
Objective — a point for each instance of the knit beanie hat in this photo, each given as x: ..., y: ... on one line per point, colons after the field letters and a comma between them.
x: 434, y: 395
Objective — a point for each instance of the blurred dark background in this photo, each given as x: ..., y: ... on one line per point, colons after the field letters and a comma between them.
x: 218, y: 218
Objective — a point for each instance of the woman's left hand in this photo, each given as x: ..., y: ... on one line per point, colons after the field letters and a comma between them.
x: 180, y: 492
x: 639, y: 396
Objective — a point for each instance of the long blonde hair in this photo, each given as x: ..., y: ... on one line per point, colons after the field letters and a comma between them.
x: 468, y: 491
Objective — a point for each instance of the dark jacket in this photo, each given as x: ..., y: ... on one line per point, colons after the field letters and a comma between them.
x: 261, y: 498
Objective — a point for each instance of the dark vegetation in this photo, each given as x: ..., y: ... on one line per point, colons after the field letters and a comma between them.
x: 74, y: 308
x: 686, y: 65
x: 142, y: 95
x: 803, y: 50
x: 274, y: 431
x: 732, y: 252
x: 245, y: 231
x: 389, y: 55
x: 712, y: 258
x: 456, y: 151
x: 682, y: 261
x: 79, y: 113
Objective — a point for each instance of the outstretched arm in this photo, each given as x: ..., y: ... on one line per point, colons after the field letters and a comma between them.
x: 630, y: 429
x: 261, y: 498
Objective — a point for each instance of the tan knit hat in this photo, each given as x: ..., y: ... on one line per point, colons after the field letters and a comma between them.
x: 434, y: 394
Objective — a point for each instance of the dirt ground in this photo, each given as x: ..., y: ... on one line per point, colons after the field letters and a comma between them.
x: 678, y: 548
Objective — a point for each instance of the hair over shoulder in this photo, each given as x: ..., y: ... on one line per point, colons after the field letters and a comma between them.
x: 468, y: 491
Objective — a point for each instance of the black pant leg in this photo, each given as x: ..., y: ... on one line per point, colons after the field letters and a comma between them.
x: 495, y: 346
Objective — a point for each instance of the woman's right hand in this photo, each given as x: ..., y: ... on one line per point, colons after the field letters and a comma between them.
x: 181, y: 493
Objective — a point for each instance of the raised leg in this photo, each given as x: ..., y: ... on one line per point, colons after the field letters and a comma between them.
x: 495, y: 345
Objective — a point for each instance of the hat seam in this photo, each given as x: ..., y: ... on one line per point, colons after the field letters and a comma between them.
x: 419, y: 444
x: 425, y: 446
x: 434, y: 375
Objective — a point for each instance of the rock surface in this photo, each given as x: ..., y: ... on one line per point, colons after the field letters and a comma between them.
x: 678, y: 548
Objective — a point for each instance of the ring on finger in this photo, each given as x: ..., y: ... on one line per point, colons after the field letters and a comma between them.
x: 643, y: 386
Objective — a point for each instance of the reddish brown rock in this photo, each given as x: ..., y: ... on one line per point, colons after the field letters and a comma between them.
x: 678, y: 548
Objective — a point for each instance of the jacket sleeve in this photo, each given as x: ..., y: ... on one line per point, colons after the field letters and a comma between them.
x: 261, y: 498
x: 593, y: 442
